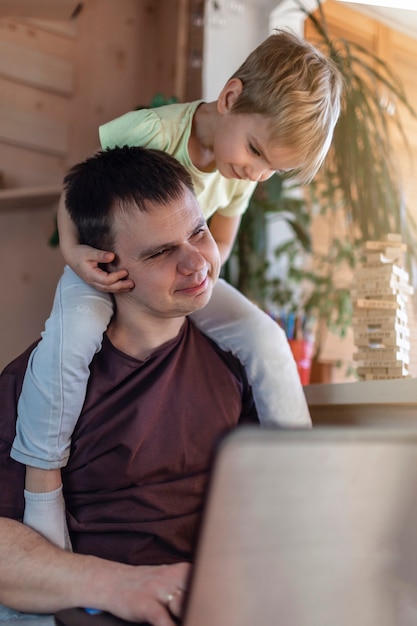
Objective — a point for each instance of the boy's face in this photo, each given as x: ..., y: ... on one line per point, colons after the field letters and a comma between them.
x: 242, y: 143
x: 242, y: 149
x: 170, y: 255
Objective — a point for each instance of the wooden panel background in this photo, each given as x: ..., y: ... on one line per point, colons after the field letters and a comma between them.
x: 56, y: 9
x: 59, y: 80
x: 42, y: 71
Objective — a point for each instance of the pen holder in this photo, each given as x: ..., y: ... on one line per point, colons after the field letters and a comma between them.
x: 303, y: 352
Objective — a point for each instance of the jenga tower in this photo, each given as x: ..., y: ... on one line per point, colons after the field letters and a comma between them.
x: 380, y: 321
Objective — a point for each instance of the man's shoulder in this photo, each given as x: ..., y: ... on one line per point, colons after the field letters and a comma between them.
x: 14, y: 372
x: 227, y: 357
x: 226, y: 374
x: 20, y: 362
x: 13, y: 473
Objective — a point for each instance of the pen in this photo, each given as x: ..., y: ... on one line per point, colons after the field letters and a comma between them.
x: 290, y: 328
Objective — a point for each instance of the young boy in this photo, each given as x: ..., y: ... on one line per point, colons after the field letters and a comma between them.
x: 276, y: 113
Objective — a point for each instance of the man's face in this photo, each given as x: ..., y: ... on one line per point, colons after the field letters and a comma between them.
x: 170, y: 255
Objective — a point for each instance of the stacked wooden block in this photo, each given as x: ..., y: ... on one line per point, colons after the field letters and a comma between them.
x: 380, y: 321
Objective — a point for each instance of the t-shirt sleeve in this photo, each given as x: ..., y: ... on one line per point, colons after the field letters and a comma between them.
x: 238, y: 201
x: 136, y: 128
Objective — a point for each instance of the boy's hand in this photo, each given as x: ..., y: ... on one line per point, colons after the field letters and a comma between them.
x: 85, y: 262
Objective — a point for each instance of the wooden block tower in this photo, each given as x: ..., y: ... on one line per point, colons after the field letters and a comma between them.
x: 380, y: 321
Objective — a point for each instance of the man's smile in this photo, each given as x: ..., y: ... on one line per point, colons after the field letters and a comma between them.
x: 195, y: 288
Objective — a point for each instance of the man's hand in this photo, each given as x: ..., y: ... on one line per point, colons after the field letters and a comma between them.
x: 148, y: 594
x: 38, y: 577
x: 85, y: 262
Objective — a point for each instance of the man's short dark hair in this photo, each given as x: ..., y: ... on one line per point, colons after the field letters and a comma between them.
x: 117, y: 179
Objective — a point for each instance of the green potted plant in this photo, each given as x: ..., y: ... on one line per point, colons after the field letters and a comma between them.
x: 272, y: 201
x: 303, y: 286
x: 358, y: 188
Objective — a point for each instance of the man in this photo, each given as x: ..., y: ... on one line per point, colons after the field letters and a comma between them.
x: 160, y: 396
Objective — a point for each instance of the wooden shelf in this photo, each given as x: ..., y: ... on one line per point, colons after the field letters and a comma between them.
x: 44, y: 9
x: 29, y: 197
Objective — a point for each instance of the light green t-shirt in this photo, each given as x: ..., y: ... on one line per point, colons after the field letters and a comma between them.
x: 168, y: 128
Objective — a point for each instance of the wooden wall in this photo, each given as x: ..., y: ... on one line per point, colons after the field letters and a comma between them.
x: 59, y: 80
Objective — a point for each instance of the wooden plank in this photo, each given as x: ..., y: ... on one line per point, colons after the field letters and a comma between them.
x: 29, y: 197
x: 195, y: 50
x: 383, y: 245
x: 65, y: 28
x: 182, y: 51
x: 388, y: 303
x: 33, y: 130
x: 37, y: 69
x: 44, y: 9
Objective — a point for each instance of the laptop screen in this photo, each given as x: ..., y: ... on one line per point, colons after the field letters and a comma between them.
x: 308, y: 528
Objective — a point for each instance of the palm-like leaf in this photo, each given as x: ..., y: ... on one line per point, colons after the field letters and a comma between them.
x: 361, y: 166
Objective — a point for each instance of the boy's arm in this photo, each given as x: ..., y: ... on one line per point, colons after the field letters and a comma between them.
x: 85, y: 260
x: 224, y: 230
x: 68, y: 234
x: 37, y: 577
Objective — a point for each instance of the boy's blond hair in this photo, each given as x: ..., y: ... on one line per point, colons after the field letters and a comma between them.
x: 291, y: 82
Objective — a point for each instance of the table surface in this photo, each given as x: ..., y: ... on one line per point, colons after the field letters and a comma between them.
x: 25, y: 619
x: 400, y: 391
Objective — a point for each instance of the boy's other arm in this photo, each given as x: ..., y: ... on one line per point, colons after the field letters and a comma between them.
x: 68, y: 234
x: 224, y: 230
x: 84, y: 260
x: 38, y: 577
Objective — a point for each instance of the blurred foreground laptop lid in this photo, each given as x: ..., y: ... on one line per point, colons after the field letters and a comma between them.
x: 309, y: 528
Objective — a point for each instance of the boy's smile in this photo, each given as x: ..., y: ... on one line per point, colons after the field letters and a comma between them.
x: 242, y: 149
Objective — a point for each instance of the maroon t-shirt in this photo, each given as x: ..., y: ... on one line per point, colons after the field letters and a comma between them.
x: 142, y: 449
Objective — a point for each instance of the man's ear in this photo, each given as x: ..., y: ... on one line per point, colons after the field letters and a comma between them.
x: 113, y: 266
x: 229, y: 94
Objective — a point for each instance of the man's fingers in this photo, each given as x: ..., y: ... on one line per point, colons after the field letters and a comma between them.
x: 175, y: 602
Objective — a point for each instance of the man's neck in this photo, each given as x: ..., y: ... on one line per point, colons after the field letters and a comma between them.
x: 140, y: 339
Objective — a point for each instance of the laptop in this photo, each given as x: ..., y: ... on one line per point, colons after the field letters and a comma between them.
x: 305, y: 528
